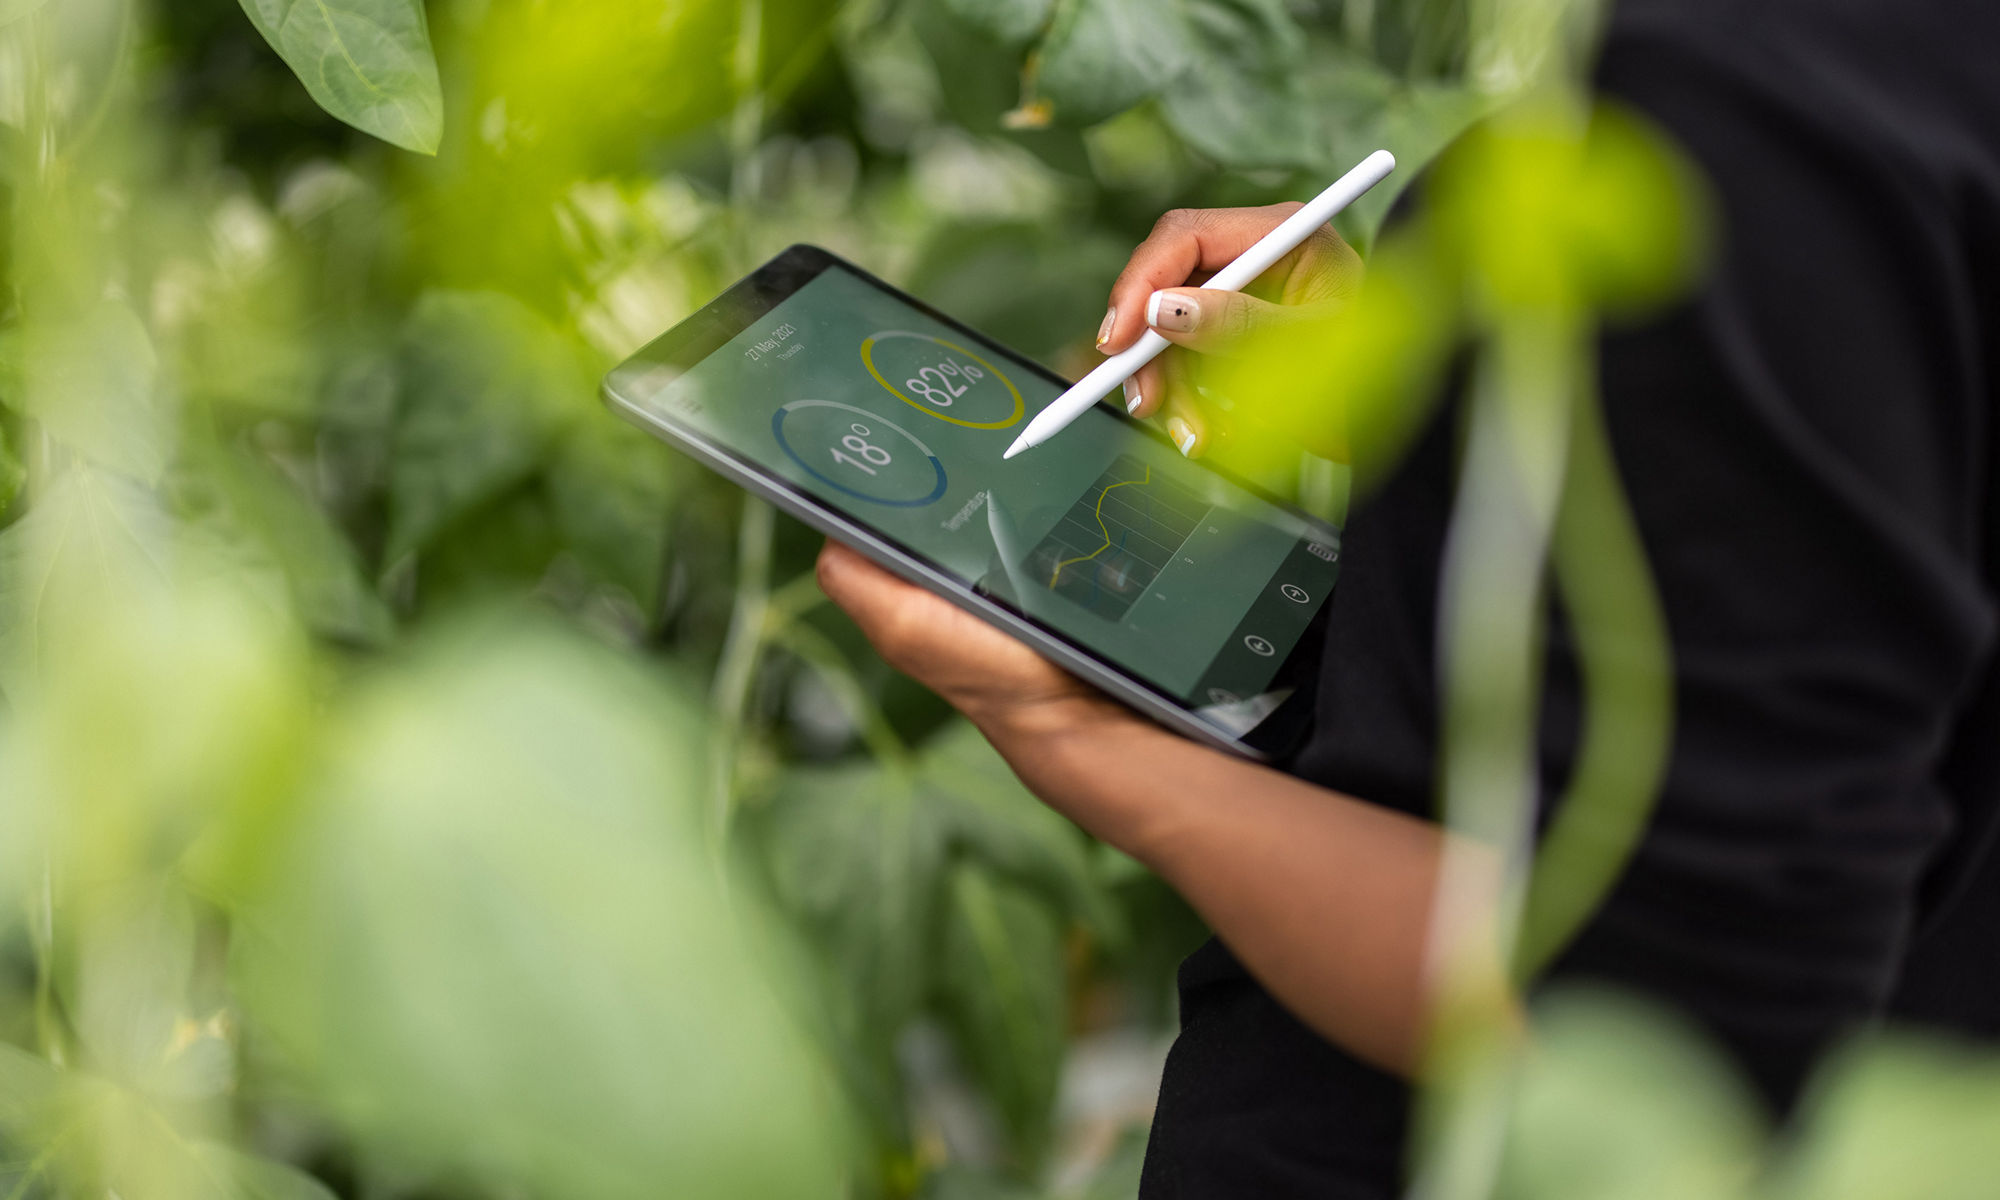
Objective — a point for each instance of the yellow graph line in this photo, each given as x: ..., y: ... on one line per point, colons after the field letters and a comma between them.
x: 1099, y: 514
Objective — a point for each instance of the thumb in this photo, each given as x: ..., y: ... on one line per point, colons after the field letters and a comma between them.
x: 1212, y: 322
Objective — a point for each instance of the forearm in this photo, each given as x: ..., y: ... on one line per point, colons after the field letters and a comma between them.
x: 1325, y: 899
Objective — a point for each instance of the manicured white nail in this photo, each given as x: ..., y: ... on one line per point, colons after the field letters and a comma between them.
x: 1104, y: 330
x: 1183, y: 435
x: 1132, y: 396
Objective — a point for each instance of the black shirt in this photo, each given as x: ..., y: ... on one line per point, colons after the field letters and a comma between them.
x: 1809, y: 446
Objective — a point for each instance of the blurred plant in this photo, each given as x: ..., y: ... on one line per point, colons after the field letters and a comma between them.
x: 360, y: 830
x: 1618, y: 1101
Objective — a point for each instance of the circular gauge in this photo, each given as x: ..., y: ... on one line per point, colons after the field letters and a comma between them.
x: 942, y: 378
x: 858, y: 453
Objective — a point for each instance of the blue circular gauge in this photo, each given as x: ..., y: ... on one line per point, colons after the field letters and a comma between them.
x: 858, y: 453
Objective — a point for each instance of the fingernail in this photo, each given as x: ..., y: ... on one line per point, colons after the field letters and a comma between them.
x: 1183, y: 435
x: 1132, y: 396
x: 1173, y: 312
x: 1104, y: 330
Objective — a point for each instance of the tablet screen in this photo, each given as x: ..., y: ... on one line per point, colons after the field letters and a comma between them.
x: 1104, y: 535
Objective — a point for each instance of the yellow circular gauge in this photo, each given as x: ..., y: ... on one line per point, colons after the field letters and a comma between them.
x: 942, y: 378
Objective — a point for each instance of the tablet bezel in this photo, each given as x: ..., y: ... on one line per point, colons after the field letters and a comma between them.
x: 679, y: 349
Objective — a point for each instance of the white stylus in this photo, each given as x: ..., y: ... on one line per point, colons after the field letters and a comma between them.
x: 1259, y: 258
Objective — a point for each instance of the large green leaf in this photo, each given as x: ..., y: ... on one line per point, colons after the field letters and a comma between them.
x: 1009, y: 21
x: 368, y: 62
x: 856, y: 855
x: 1002, y: 987
x: 1103, y: 56
x: 1242, y: 100
x: 493, y: 946
x: 486, y: 387
x: 14, y: 10
x: 993, y: 820
x: 1898, y: 1117
x: 1619, y: 1101
x: 272, y: 520
x: 611, y: 488
x: 243, y: 1177
x: 90, y: 535
x: 89, y: 380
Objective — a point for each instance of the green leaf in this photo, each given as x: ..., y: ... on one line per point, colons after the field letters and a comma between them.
x: 1892, y: 1117
x: 990, y: 818
x: 1007, y: 21
x: 322, y: 572
x: 12, y: 473
x: 492, y: 944
x: 1103, y: 56
x: 1619, y: 1101
x: 14, y: 10
x: 89, y: 535
x: 1002, y: 989
x: 486, y: 387
x: 856, y: 855
x: 89, y: 381
x: 248, y: 1178
x: 1242, y: 100
x: 368, y: 62
x: 612, y: 489
x: 128, y: 991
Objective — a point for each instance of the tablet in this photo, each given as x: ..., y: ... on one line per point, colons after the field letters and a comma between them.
x: 1188, y: 594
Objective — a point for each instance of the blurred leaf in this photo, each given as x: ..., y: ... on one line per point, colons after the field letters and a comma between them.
x: 992, y: 819
x: 956, y: 1181
x: 1242, y: 100
x: 856, y: 853
x: 1020, y: 282
x: 1617, y: 1101
x: 128, y: 991
x: 612, y: 488
x: 1368, y: 108
x: 1001, y: 984
x: 321, y: 570
x: 89, y: 380
x: 1547, y: 215
x: 14, y: 10
x: 486, y: 386
x: 367, y: 62
x: 1117, y: 1178
x: 494, y: 947
x: 12, y: 473
x: 29, y: 1084
x: 248, y: 1178
x: 1103, y: 56
x: 1008, y: 21
x: 86, y: 537
x: 1894, y: 1118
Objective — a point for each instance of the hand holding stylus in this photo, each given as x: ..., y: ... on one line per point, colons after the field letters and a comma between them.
x: 1235, y: 262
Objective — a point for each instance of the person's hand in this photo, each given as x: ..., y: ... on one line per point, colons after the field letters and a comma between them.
x: 1013, y: 694
x: 1160, y: 287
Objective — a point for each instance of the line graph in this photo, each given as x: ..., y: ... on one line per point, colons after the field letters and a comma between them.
x: 1117, y: 538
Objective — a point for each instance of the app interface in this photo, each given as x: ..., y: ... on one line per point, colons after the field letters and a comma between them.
x: 1102, y: 533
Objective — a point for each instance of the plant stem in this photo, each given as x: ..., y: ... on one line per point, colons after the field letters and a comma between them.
x: 737, y: 670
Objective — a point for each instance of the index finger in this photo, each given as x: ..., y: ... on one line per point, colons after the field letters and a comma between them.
x: 1183, y: 242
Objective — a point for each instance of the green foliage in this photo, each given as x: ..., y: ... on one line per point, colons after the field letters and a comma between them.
x: 367, y: 62
x: 1617, y: 1101
x: 487, y: 385
x: 489, y: 939
x: 311, y: 853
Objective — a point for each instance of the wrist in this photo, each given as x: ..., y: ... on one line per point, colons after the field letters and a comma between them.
x: 1114, y: 773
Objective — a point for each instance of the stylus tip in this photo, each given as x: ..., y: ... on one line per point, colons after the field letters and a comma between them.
x: 1020, y: 444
